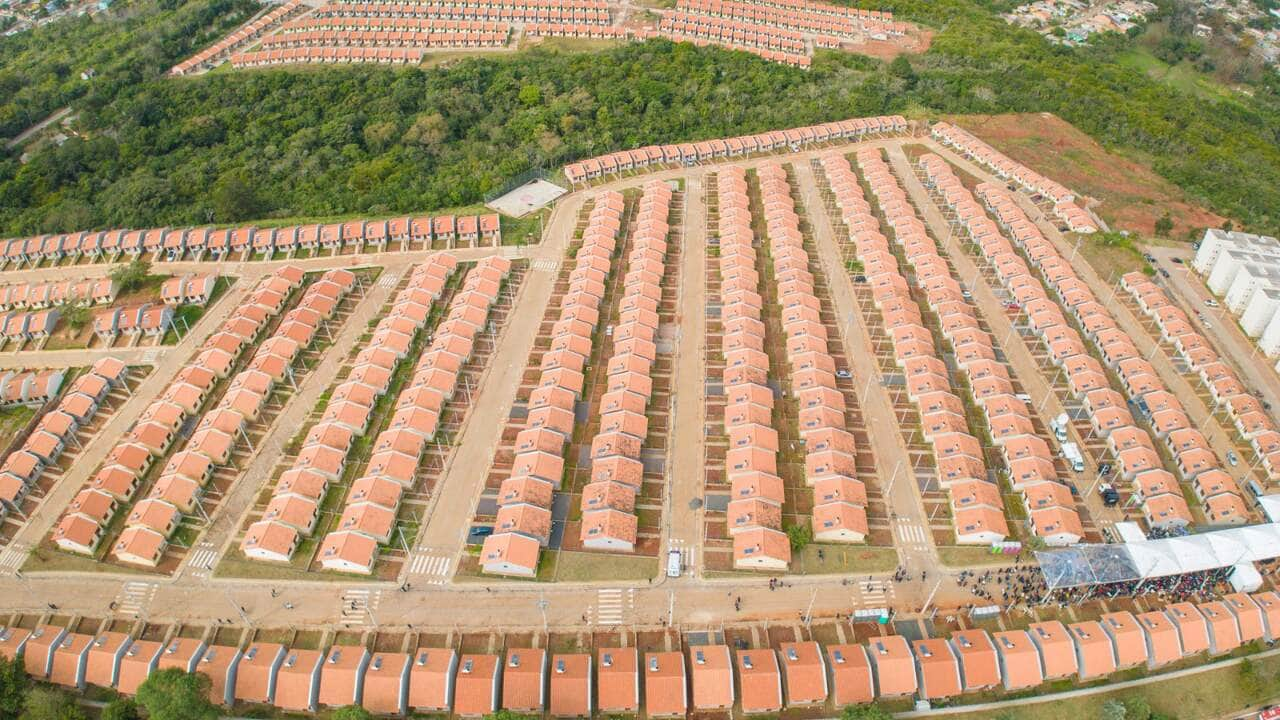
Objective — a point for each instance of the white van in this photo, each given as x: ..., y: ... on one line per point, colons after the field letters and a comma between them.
x: 673, y: 563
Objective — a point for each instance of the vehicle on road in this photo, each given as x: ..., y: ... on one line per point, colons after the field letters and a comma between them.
x: 1104, y: 469
x: 673, y: 563
x: 1210, y: 302
x: 1110, y: 497
x: 1059, y: 427
x: 1164, y: 273
x: 843, y: 373
x: 1207, y: 325
x: 1071, y: 453
x: 1232, y: 459
x: 1177, y: 260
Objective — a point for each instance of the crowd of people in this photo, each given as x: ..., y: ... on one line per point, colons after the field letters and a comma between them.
x: 1023, y: 587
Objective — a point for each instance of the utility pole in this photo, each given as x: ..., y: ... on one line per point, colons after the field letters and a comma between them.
x: 542, y: 606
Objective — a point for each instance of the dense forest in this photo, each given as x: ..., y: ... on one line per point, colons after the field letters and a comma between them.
x: 231, y: 146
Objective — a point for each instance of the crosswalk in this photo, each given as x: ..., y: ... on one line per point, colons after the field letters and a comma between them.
x: 545, y: 264
x: 912, y: 535
x: 611, y: 605
x: 202, y: 560
x: 435, y: 567
x: 359, y: 606
x: 135, y: 597
x: 11, y: 559
x: 876, y: 593
x: 389, y: 280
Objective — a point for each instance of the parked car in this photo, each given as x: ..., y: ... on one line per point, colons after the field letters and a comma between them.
x: 1232, y: 459
x: 1210, y: 302
x: 1110, y: 497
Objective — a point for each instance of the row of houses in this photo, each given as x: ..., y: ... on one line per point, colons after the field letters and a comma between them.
x: 57, y: 428
x: 145, y: 319
x: 249, y: 31
x: 678, y: 683
x: 731, y: 32
x: 582, y: 30
x: 354, y: 23
x: 22, y: 326
x: 40, y: 295
x: 1246, y: 412
x: 812, y: 18
x: 754, y: 516
x: 294, y: 508
x: 188, y: 289
x: 590, y: 12
x: 329, y: 55
x: 1193, y: 458
x: 830, y: 461
x: 377, y: 40
x: 609, y: 520
x: 685, y: 154
x: 1002, y: 165
x: 83, y: 523
x: 219, y: 243
x: 977, y: 508
x: 536, y: 472
x: 1111, y: 417
x: 369, y: 516
x: 1028, y: 458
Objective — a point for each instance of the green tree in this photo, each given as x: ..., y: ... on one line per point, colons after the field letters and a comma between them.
x: 1164, y: 225
x: 234, y: 198
x: 45, y: 703
x: 352, y: 712
x: 1136, y: 707
x: 120, y: 708
x: 132, y: 276
x: 172, y: 694
x: 14, y: 685
x: 1250, y: 679
x: 76, y: 316
x: 800, y: 535
x: 1113, y: 710
x: 865, y: 712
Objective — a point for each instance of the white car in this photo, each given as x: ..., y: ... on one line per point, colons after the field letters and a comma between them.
x: 1210, y: 302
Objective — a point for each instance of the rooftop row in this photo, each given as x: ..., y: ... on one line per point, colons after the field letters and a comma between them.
x: 588, y: 12
x: 536, y: 473
x: 848, y: 22
x: 1246, y: 411
x: 294, y: 508
x: 754, y: 515
x: 710, y: 150
x: 83, y: 523
x: 369, y: 516
x: 1111, y: 417
x: 351, y: 24
x: 830, y: 462
x: 664, y: 684
x: 977, y: 509
x: 1050, y: 507
x: 244, y: 33
x: 22, y: 468
x: 609, y: 519
x: 1001, y: 164
x: 175, y: 243
x: 39, y: 295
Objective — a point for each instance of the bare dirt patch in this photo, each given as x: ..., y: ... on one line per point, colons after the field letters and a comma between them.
x: 916, y: 41
x: 1125, y: 192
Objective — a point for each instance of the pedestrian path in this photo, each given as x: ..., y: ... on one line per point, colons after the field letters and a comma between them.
x: 545, y: 264
x: 135, y: 597
x: 913, y: 536
x: 11, y: 559
x: 359, y: 607
x: 875, y: 593
x: 611, y: 605
x: 203, y: 557
x: 435, y: 567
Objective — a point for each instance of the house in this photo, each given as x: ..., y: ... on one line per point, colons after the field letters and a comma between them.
x: 37, y: 655
x: 570, y: 685
x: 760, y: 679
x: 431, y: 679
x: 386, y: 684
x: 1056, y: 648
x: 938, y: 669
x: 77, y: 533
x: 105, y: 654
x: 298, y: 681
x: 347, y: 551
x: 70, y: 656
x: 851, y: 675
x: 761, y: 549
x: 1224, y: 633
x: 1193, y: 629
x: 1127, y: 638
x: 711, y: 677
x: 342, y: 675
x: 666, y: 685
x: 270, y: 541
x: 892, y: 665
x: 524, y: 682
x: 617, y: 680
x: 1161, y: 638
x: 1019, y: 660
x: 136, y: 665
x: 477, y: 685
x: 220, y: 664
x: 979, y: 665
x: 256, y: 673
x: 140, y: 545
x: 1095, y: 655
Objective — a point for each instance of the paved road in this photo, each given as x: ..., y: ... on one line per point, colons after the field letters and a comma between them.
x: 83, y: 357
x: 688, y: 415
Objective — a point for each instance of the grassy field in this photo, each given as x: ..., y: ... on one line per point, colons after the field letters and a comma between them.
x: 843, y: 559
x: 588, y: 567
x: 1213, y: 693
x: 961, y: 556
x: 13, y: 420
x: 1182, y: 76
